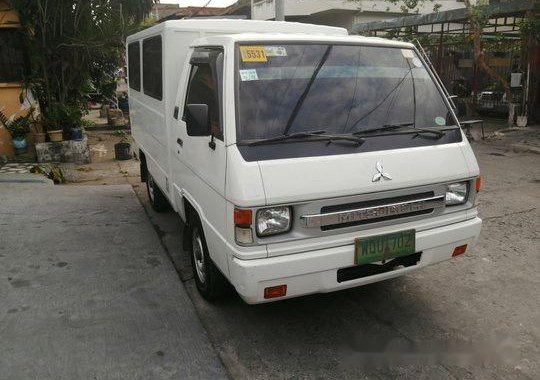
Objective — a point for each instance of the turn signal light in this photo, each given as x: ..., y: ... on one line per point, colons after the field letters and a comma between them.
x: 459, y: 250
x: 478, y: 183
x: 242, y: 218
x: 275, y: 291
x: 242, y: 226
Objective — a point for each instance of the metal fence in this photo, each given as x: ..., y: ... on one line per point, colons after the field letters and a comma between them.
x: 476, y: 92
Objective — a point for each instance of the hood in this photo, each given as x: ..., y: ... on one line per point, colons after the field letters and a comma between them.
x: 311, y: 178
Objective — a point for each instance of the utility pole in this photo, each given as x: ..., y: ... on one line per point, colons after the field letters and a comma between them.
x: 280, y: 10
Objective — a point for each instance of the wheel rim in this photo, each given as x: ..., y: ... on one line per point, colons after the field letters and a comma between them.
x: 150, y: 182
x: 198, y: 255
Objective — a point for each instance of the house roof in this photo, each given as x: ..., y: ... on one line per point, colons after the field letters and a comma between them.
x: 511, y: 8
x: 241, y: 7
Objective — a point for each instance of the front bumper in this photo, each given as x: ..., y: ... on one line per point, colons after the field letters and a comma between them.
x: 316, y: 271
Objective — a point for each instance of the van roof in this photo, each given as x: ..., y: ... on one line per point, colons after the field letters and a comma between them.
x: 298, y: 37
x: 226, y: 26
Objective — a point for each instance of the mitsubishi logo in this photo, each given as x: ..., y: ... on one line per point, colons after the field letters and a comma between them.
x: 380, y: 174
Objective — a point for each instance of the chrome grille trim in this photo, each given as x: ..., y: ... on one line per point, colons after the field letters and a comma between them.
x: 375, y: 212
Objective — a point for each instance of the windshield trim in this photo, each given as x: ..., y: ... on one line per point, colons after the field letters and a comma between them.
x: 236, y: 68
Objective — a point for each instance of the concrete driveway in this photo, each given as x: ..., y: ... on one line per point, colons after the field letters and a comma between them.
x: 88, y: 292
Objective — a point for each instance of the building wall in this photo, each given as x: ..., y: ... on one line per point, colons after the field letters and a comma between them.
x: 9, y: 91
x: 265, y: 9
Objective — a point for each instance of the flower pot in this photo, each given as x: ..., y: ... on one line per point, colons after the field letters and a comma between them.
x: 20, y: 144
x: 55, y: 136
x: 104, y: 111
x: 76, y: 134
x: 39, y: 137
x: 521, y: 121
x: 122, y: 151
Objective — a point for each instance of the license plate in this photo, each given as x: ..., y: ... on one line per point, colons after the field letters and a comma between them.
x: 384, y: 247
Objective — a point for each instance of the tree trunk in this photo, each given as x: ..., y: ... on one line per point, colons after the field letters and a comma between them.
x: 476, y: 31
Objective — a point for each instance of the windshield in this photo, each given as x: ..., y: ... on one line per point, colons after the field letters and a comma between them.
x: 339, y: 89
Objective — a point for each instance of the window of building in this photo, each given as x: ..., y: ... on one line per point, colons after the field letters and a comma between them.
x: 152, y: 67
x: 134, y: 69
x: 205, y: 84
x: 12, y: 62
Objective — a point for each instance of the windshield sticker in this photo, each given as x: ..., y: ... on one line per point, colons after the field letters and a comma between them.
x: 440, y: 120
x: 275, y: 51
x: 417, y: 62
x: 248, y: 75
x: 253, y: 54
x: 407, y: 53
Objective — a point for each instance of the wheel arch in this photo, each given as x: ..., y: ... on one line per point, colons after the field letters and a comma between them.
x: 144, y: 168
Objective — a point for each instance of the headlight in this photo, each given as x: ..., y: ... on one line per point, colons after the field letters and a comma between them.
x: 456, y: 194
x: 273, y: 221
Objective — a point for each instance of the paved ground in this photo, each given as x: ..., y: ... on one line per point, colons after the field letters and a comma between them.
x: 485, y: 304
x: 88, y: 292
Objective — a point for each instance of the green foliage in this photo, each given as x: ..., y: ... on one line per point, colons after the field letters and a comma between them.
x: 122, y: 136
x: 56, y: 174
x: 17, y: 127
x: 410, y: 6
x: 68, y: 42
x: 530, y: 28
x: 53, y: 172
x: 59, y: 116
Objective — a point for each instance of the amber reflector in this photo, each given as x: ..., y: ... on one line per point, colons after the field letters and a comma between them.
x: 275, y: 291
x: 459, y: 250
x: 478, y: 183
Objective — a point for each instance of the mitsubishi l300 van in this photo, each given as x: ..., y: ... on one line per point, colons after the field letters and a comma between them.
x: 301, y: 159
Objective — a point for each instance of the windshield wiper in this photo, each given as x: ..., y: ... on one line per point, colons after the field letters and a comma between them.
x: 384, y: 128
x: 302, y: 98
x: 439, y: 133
x: 307, y: 136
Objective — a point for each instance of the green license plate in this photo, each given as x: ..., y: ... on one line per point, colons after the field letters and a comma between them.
x: 384, y: 247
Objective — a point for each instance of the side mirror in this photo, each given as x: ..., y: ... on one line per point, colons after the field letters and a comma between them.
x: 198, y: 120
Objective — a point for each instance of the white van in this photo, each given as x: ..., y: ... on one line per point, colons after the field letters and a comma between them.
x: 301, y: 159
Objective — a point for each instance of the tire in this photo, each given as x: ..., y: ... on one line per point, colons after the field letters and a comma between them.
x: 210, y: 282
x: 157, y: 199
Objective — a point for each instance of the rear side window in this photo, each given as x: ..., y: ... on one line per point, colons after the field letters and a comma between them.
x: 152, y: 67
x: 134, y: 69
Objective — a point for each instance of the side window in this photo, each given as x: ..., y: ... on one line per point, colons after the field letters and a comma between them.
x: 152, y: 67
x: 134, y: 69
x: 205, y: 85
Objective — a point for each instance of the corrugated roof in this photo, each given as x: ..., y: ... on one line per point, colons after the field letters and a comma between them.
x: 513, y: 8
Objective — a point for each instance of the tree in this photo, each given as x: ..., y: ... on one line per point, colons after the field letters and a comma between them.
x: 477, y: 19
x: 65, y: 39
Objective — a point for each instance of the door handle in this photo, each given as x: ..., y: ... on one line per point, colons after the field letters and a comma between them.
x: 179, y: 142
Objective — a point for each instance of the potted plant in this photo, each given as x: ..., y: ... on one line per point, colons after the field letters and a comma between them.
x: 73, y: 122
x: 52, y: 119
x: 39, y: 134
x: 122, y: 149
x: 36, y: 126
x: 18, y: 127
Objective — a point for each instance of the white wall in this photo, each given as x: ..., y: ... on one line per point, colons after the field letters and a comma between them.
x: 264, y: 9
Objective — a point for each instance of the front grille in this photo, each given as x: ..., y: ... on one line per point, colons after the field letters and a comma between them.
x: 374, y: 203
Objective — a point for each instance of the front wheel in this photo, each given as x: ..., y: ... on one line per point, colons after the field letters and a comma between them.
x: 157, y: 199
x: 211, y: 284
